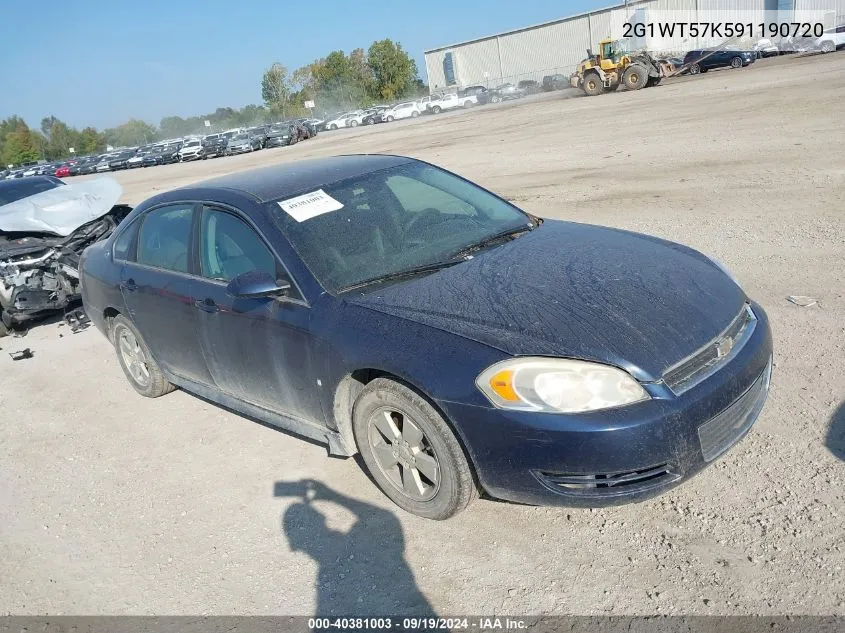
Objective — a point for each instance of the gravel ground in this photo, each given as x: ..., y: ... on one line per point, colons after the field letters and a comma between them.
x: 114, y: 504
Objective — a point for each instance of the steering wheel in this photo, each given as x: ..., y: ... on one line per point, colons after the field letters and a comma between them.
x: 427, y: 214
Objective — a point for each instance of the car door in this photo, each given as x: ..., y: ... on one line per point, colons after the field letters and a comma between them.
x: 155, y: 282
x: 258, y: 350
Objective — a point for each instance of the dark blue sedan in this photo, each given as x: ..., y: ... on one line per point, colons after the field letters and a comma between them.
x: 385, y: 306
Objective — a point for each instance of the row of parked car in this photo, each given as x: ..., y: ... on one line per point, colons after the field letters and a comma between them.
x: 236, y: 141
x: 434, y: 104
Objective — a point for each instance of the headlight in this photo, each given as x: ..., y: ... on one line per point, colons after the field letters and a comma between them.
x: 557, y: 385
x: 726, y: 270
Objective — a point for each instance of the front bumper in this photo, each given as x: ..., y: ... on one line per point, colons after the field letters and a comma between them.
x: 618, y: 455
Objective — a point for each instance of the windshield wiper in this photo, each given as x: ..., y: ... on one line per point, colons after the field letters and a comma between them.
x: 402, y: 274
x: 497, y: 237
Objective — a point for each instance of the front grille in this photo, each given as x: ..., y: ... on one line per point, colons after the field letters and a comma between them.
x: 728, y: 427
x: 695, y: 368
x: 609, y: 484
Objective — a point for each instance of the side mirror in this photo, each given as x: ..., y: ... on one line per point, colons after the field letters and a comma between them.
x: 257, y: 283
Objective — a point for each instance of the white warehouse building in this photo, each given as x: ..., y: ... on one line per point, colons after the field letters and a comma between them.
x: 557, y: 47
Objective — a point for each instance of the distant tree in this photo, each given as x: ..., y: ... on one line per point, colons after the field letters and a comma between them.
x: 133, y: 132
x: 275, y: 87
x: 7, y: 126
x: 47, y: 124
x: 393, y: 68
x: 20, y: 146
x: 90, y: 142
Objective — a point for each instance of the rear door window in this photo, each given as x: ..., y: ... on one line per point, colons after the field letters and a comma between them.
x: 165, y: 236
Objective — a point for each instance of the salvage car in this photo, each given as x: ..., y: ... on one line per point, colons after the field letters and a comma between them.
x: 45, y: 225
x: 506, y: 92
x: 381, y: 304
x: 191, y: 150
x: 831, y: 40
x: 214, y: 145
x: 555, y: 82
x: 243, y: 142
x: 700, y: 61
x: 406, y: 110
x: 281, y: 134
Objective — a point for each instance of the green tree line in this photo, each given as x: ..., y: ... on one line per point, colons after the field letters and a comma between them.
x: 383, y: 73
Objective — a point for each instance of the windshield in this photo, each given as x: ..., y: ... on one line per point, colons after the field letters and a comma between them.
x: 13, y: 190
x: 394, y: 220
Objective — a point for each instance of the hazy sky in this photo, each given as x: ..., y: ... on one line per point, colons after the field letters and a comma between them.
x: 100, y: 63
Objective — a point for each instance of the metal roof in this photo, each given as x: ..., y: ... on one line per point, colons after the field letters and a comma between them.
x: 536, y: 26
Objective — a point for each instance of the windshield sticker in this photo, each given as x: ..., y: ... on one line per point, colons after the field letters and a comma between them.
x: 310, y: 205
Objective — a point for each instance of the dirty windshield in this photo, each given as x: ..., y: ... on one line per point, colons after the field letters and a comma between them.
x: 393, y: 220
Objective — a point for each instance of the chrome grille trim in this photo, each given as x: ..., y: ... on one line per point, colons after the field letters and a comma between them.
x: 704, y: 362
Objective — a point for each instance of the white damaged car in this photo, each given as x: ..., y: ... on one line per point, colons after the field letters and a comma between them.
x: 45, y: 225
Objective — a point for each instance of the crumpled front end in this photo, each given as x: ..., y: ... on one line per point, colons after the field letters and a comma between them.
x: 39, y: 268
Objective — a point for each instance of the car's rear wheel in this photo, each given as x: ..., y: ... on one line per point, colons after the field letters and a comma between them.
x: 828, y: 46
x: 436, y: 109
x: 389, y: 119
x: 353, y: 124
x: 136, y: 361
x: 411, y: 452
x: 332, y: 127
x: 694, y: 69
x: 414, y: 114
x: 736, y: 62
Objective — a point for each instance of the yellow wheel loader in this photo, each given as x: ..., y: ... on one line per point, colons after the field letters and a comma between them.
x: 612, y: 67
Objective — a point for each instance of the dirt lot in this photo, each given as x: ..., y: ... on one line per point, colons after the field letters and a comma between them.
x: 112, y: 503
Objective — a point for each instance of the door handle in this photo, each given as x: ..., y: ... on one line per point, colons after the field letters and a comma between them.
x: 206, y: 305
x: 129, y: 285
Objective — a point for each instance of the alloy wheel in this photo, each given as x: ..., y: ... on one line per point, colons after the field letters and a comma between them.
x: 403, y: 454
x: 134, y: 358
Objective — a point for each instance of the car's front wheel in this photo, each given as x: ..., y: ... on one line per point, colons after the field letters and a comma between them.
x: 411, y: 452
x: 736, y: 62
x: 694, y: 69
x: 828, y: 46
x: 136, y: 361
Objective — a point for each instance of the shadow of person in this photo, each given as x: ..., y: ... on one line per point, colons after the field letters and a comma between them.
x: 361, y: 572
x: 835, y: 440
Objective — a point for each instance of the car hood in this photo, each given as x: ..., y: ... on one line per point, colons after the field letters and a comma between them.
x: 62, y: 210
x: 576, y: 291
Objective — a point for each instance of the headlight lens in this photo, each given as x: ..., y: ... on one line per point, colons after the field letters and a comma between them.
x: 557, y: 385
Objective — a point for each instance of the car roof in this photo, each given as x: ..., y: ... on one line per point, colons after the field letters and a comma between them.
x: 279, y: 181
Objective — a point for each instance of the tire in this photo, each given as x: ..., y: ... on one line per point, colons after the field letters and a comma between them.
x: 389, y: 119
x: 653, y: 81
x: 694, y: 69
x: 386, y: 406
x: 4, y: 330
x: 414, y: 115
x: 136, y: 361
x: 635, y: 77
x: 736, y: 62
x: 353, y: 124
x: 495, y: 99
x: 828, y: 46
x: 436, y: 110
x: 592, y: 85
x: 333, y: 126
